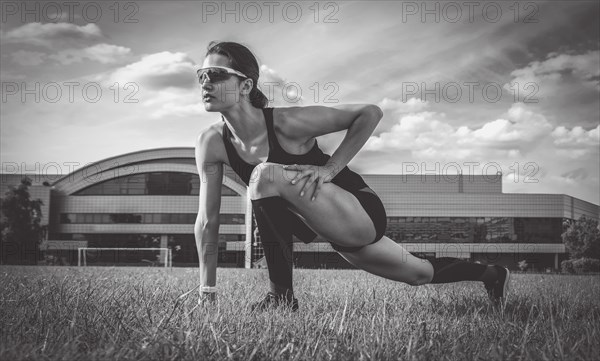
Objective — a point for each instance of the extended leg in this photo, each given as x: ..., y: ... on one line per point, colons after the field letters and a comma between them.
x: 389, y: 259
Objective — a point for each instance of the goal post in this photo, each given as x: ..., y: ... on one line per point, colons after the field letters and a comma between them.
x: 165, y: 257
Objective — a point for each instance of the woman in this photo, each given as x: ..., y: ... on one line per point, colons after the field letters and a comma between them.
x: 296, y: 189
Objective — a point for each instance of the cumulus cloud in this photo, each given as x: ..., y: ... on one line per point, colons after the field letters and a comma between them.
x: 102, y: 53
x: 393, y: 108
x: 64, y: 43
x: 430, y: 135
x: 52, y: 35
x: 270, y: 75
x: 158, y: 71
x: 277, y: 89
x: 577, y: 137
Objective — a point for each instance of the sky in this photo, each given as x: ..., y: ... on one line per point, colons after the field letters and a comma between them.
x: 471, y: 87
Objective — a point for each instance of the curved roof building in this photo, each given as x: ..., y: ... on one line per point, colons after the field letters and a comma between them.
x: 149, y: 199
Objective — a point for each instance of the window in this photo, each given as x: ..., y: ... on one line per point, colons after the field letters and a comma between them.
x: 228, y: 218
x: 67, y: 218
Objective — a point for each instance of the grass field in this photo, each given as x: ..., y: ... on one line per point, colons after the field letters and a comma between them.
x: 69, y: 313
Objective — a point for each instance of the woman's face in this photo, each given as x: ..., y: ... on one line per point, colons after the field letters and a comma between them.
x: 219, y: 96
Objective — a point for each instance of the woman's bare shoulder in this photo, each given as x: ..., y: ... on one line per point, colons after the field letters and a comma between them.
x: 285, y: 120
x: 210, y: 141
x: 316, y: 120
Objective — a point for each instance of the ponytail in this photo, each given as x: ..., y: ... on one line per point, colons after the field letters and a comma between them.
x: 258, y: 99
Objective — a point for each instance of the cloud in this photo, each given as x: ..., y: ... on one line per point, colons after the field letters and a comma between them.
x: 175, y: 109
x: 52, y: 35
x: 577, y: 137
x: 270, y: 75
x: 28, y: 58
x: 168, y: 85
x: 392, y: 108
x: 277, y: 89
x: 7, y: 76
x: 578, y: 174
x: 158, y: 71
x: 102, y: 53
x: 410, y: 106
x: 522, y: 126
x: 546, y: 78
x: 430, y: 135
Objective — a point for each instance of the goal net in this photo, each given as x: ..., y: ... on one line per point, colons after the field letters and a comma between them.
x: 103, y: 256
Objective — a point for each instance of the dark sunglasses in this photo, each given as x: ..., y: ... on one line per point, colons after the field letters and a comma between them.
x: 215, y: 74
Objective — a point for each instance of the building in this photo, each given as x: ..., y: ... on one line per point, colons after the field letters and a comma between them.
x: 149, y: 198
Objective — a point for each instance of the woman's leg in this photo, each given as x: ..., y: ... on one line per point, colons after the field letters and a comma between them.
x: 275, y: 221
x: 335, y: 215
x: 339, y: 217
x: 389, y: 259
x: 276, y: 239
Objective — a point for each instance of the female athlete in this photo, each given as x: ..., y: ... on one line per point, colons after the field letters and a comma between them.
x: 297, y: 189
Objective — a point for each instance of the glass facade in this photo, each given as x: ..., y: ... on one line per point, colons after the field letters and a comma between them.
x: 155, y: 183
x: 474, y: 230
x: 144, y: 218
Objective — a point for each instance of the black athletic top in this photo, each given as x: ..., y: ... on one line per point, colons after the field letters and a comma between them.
x: 346, y: 179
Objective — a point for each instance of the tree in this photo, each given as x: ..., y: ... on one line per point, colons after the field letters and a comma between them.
x: 582, y: 238
x: 20, y: 227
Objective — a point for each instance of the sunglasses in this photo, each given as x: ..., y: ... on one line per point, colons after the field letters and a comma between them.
x: 215, y: 74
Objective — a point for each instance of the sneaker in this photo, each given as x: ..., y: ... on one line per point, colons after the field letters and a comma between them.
x: 498, y: 289
x: 273, y: 300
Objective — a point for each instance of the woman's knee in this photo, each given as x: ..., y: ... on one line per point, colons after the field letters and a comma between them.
x: 264, y: 180
x: 422, y: 275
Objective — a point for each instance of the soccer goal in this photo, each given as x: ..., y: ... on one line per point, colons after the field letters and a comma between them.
x: 125, y: 256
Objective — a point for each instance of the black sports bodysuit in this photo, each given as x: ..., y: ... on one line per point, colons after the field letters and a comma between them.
x: 346, y: 178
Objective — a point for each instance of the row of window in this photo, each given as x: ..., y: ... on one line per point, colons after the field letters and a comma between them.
x: 144, y: 218
x: 475, y: 230
x: 153, y: 183
x: 400, y: 229
x: 437, y: 219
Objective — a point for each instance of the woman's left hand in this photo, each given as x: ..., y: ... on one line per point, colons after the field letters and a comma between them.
x: 315, y: 174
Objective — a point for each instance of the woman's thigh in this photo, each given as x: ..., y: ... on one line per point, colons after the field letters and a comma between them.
x: 335, y: 214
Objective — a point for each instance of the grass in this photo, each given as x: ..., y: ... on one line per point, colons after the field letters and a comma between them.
x: 70, y: 313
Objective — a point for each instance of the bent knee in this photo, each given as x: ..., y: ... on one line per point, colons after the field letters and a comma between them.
x: 419, y: 279
x: 263, y: 179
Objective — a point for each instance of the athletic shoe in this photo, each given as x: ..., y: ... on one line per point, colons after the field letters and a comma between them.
x: 273, y: 300
x: 498, y: 289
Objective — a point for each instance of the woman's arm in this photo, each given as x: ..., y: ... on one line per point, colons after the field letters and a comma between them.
x: 309, y: 122
x: 206, y: 230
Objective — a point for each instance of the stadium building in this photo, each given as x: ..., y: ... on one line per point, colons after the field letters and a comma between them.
x: 149, y: 199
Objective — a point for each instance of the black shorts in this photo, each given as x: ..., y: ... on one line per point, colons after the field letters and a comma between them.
x: 371, y: 204
x: 376, y: 211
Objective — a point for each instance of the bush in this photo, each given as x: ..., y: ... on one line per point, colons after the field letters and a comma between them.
x: 582, y: 238
x: 584, y: 265
x: 567, y: 266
